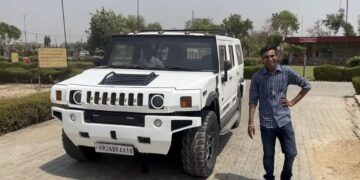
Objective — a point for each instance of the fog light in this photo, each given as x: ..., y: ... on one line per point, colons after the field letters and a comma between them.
x: 157, y: 122
x: 73, y: 117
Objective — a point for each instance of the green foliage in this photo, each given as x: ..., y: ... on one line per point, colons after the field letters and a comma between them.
x: 354, y: 61
x: 328, y: 73
x: 348, y: 29
x: 8, y: 33
x: 16, y: 113
x: 336, y: 21
x: 334, y: 73
x: 200, y: 23
x: 47, y: 41
x: 236, y: 25
x: 250, y: 61
x: 275, y: 40
x: 154, y: 26
x: 250, y: 70
x: 284, y: 23
x: 356, y: 83
x: 132, y: 23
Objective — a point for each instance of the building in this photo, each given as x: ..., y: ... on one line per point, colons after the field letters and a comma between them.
x: 325, y: 50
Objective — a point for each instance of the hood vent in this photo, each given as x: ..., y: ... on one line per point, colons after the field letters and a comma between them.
x: 128, y: 79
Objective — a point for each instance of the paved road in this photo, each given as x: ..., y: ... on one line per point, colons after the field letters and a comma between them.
x: 327, y: 114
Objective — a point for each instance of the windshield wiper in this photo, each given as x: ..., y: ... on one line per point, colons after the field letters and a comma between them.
x: 178, y: 68
x: 126, y: 67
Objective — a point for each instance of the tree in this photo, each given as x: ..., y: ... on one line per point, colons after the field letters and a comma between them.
x: 200, y: 23
x: 8, y: 33
x: 359, y: 25
x: 240, y: 28
x: 47, y: 41
x: 154, y: 26
x: 104, y: 24
x: 317, y: 30
x: 132, y: 23
x: 348, y: 29
x: 334, y: 21
x: 284, y: 23
x: 275, y: 40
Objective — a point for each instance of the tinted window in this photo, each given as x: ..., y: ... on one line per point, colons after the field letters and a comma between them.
x: 231, y: 54
x: 167, y: 52
x: 239, y: 55
x: 222, y: 55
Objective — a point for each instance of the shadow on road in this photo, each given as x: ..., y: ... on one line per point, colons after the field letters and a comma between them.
x: 122, y: 167
x: 231, y: 176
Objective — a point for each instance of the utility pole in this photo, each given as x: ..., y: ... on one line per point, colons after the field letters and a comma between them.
x: 347, y: 10
x: 192, y: 19
x: 25, y: 29
x: 69, y: 36
x: 137, y: 16
x: 62, y: 5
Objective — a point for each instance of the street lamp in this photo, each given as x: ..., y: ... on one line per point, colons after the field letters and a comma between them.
x: 62, y: 5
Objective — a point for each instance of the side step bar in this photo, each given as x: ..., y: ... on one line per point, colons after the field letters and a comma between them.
x: 228, y: 126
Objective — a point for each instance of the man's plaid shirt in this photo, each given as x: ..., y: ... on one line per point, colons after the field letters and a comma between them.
x: 268, y: 89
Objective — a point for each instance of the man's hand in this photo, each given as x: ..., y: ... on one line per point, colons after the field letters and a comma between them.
x: 286, y: 102
x: 251, y: 130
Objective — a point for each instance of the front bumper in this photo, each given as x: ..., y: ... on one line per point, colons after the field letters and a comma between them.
x: 160, y: 137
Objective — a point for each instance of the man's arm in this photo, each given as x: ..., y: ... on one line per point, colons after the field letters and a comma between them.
x: 296, y: 79
x: 253, y: 100
x: 297, y: 98
x: 251, y: 127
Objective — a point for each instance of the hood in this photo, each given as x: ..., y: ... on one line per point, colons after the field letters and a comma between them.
x: 164, y: 79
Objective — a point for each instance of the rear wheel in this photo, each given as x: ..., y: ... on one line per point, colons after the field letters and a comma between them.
x: 80, y: 153
x: 200, y: 146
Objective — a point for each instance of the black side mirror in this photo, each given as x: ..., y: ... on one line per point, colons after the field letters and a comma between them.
x: 227, y: 66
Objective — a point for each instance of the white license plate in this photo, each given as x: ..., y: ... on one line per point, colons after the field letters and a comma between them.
x: 114, y: 149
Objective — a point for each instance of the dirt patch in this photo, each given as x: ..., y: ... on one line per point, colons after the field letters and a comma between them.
x: 19, y: 90
x: 338, y: 160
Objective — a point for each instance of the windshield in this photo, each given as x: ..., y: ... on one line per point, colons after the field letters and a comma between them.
x: 188, y: 53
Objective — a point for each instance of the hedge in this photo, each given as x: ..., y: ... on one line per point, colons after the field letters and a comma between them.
x: 356, y: 83
x: 16, y: 113
x: 250, y: 70
x: 354, y: 61
x: 250, y: 62
x: 335, y: 73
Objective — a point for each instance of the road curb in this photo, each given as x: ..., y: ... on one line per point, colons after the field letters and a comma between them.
x: 357, y: 99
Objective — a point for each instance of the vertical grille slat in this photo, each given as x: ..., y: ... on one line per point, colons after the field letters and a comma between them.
x: 131, y: 99
x: 113, y: 98
x: 88, y: 97
x: 96, y: 98
x: 104, y: 98
x: 140, y: 99
x: 122, y: 99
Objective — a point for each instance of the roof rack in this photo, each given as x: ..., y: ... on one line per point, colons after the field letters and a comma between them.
x: 221, y: 32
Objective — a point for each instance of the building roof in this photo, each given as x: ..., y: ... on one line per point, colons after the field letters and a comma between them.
x: 323, y: 40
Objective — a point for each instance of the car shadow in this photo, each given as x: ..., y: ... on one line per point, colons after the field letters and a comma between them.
x: 122, y: 167
x: 230, y: 176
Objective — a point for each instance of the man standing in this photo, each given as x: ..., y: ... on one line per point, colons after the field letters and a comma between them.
x: 269, y: 88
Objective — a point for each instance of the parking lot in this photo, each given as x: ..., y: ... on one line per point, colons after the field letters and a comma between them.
x: 326, y: 122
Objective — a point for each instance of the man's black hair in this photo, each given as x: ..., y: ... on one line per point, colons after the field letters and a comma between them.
x: 267, y: 48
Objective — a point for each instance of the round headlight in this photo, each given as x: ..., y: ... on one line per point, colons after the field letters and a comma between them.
x: 157, y: 101
x: 77, y: 97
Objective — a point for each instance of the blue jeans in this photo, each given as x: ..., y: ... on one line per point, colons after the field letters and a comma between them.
x: 286, y: 137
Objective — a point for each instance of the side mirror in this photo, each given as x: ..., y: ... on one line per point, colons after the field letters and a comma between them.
x: 227, y: 66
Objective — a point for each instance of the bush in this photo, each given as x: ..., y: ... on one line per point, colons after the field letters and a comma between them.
x: 329, y: 73
x: 250, y: 62
x: 15, y: 74
x: 4, y: 65
x: 81, y: 65
x: 351, y: 72
x: 250, y: 70
x: 16, y: 113
x: 356, y: 83
x: 354, y: 61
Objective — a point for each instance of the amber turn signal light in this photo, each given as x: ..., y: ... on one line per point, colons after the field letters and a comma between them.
x: 185, y: 102
x: 58, y: 95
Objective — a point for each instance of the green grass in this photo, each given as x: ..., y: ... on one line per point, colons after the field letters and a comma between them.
x: 309, y: 71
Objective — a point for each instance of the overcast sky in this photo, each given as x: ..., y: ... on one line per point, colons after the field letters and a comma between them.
x: 45, y: 17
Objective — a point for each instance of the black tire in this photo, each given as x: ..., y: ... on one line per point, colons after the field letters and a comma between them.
x: 200, y: 146
x: 79, y: 153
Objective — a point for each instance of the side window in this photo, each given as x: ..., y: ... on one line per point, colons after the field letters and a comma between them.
x: 239, y: 54
x: 231, y: 51
x: 222, y: 54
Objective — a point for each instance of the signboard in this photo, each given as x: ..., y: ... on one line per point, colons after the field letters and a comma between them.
x: 52, y: 58
x: 14, y: 57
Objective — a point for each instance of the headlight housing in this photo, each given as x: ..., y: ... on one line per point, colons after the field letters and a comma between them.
x: 156, y: 101
x: 75, y: 97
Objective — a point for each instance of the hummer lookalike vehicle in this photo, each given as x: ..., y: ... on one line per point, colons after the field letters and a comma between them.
x: 151, y: 86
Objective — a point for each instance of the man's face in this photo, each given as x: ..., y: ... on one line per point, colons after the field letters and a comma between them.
x: 270, y: 59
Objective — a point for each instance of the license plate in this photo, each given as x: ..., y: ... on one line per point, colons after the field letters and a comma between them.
x: 114, y: 149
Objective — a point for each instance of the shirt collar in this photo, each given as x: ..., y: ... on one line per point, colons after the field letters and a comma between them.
x: 264, y: 70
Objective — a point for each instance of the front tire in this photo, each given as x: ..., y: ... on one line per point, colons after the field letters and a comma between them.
x: 79, y: 153
x: 200, y: 146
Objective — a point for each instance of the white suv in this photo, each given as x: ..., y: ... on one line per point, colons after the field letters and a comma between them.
x: 190, y: 85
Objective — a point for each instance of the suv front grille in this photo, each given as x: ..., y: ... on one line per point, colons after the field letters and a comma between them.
x: 114, y: 99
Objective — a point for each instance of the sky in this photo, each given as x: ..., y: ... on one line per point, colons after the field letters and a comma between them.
x: 44, y: 17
